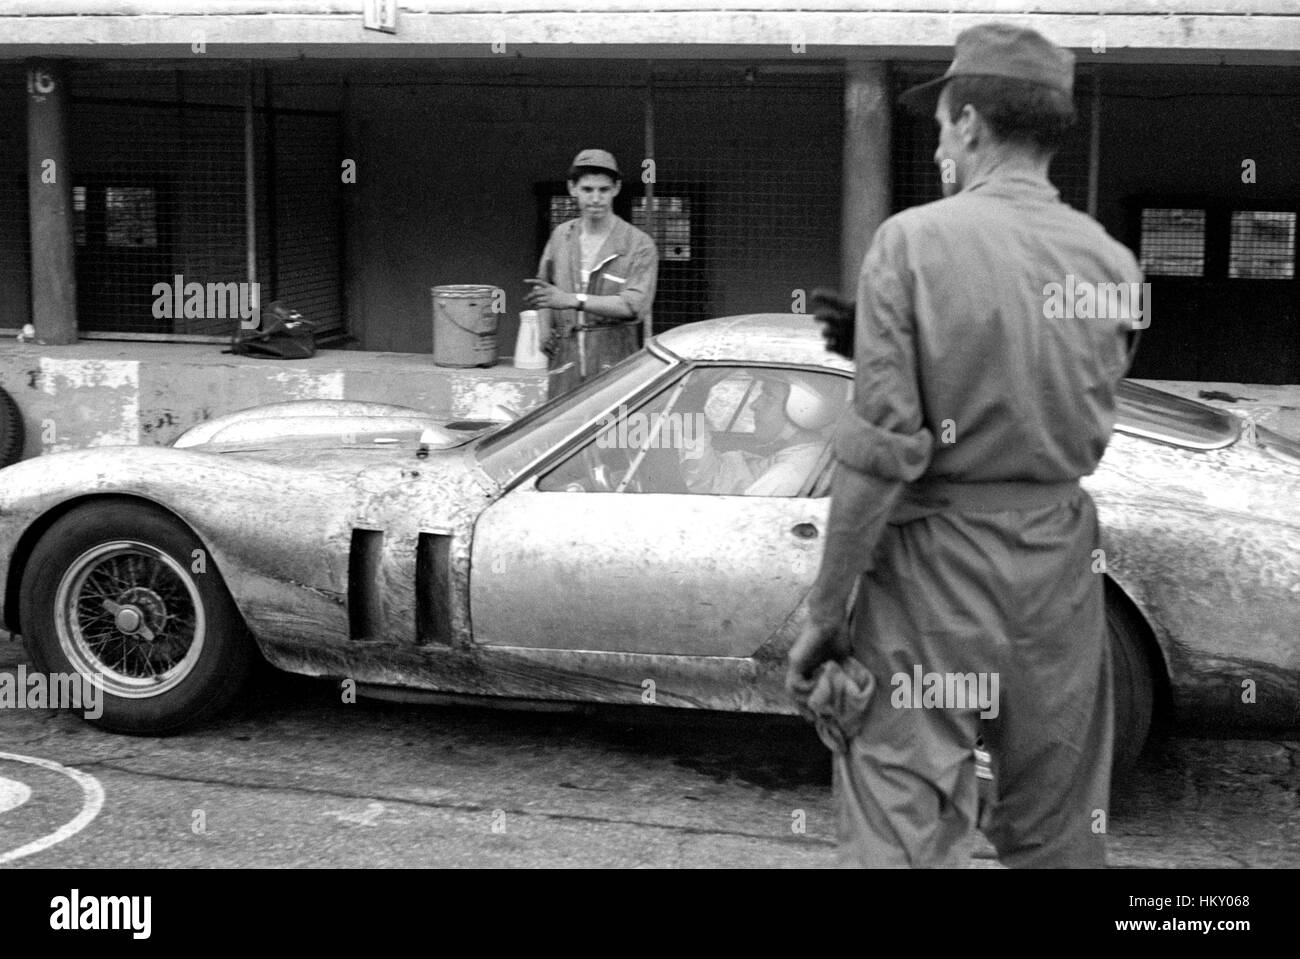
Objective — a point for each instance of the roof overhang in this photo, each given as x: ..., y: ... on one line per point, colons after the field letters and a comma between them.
x: 1195, y: 31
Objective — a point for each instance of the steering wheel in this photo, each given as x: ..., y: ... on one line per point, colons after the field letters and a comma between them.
x: 602, y: 474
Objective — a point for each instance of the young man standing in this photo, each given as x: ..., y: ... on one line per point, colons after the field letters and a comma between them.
x: 956, y: 505
x: 597, y: 276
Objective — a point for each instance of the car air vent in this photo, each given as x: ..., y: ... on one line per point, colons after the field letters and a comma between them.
x: 433, y: 589
x: 365, y: 613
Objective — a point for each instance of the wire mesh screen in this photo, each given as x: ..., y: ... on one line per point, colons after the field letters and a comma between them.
x: 1262, y: 245
x: 302, y: 254
x: 15, y: 261
x: 916, y: 177
x: 744, y: 210
x: 158, y: 201
x: 160, y: 204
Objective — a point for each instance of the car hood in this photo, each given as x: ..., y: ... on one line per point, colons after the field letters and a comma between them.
x: 1155, y: 414
x: 330, y: 425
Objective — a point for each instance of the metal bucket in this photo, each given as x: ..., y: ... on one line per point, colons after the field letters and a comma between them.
x: 464, y: 326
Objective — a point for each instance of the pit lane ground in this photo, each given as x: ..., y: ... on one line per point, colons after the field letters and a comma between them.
x: 298, y: 778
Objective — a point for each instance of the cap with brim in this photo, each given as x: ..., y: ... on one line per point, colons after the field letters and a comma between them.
x: 999, y: 50
x: 597, y: 160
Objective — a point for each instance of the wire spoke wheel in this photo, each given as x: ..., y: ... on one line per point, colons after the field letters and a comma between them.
x: 108, y: 594
x: 129, y: 618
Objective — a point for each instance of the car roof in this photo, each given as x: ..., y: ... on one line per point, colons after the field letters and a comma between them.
x: 793, y: 338
x: 796, y: 339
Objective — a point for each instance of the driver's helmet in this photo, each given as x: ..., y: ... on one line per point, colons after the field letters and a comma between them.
x: 814, y: 401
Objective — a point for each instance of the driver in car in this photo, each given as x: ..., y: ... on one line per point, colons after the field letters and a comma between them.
x: 791, y: 413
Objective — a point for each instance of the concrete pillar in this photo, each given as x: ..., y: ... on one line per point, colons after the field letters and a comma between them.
x: 867, y: 188
x: 49, y: 200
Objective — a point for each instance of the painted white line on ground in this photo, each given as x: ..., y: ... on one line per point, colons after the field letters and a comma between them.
x: 13, y: 794
x: 93, y: 802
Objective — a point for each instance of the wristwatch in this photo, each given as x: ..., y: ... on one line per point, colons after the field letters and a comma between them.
x: 582, y: 300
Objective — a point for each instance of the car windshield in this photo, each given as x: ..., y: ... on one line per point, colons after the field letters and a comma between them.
x: 1157, y: 415
x: 505, y: 453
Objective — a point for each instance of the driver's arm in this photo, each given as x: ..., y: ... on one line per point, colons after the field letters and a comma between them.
x: 787, y: 471
x: 705, y: 470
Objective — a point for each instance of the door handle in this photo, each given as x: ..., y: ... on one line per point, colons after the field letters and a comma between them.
x: 805, y: 530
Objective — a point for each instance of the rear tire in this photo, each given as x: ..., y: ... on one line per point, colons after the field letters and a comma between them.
x: 1133, y: 677
x: 117, y: 593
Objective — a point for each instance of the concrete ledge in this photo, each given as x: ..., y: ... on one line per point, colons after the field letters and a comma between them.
x: 1205, y: 32
x: 107, y: 393
x: 102, y: 393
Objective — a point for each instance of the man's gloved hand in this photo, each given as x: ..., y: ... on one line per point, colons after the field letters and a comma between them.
x: 818, y: 643
x: 838, y: 317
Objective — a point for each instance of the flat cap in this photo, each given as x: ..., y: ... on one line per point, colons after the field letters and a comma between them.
x: 1000, y: 50
x: 598, y: 159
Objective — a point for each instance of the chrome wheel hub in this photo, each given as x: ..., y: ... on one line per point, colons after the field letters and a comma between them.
x: 130, y: 618
x: 127, y: 619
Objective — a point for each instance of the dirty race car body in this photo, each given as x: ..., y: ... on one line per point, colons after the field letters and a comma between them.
x: 537, y: 562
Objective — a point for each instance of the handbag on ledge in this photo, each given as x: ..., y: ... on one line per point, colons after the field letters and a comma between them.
x: 285, y: 335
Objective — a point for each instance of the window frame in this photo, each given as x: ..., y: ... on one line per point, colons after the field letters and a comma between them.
x: 814, y: 486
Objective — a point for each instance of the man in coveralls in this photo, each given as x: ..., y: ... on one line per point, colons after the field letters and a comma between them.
x: 956, y: 505
x: 597, y: 276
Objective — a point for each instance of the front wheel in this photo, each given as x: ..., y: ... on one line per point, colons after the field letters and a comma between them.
x: 125, y: 595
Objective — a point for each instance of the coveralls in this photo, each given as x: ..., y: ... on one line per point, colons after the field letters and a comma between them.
x: 990, y: 412
x: 584, y: 344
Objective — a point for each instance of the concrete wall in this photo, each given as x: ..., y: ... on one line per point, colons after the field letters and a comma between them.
x: 99, y: 393
x: 1204, y: 30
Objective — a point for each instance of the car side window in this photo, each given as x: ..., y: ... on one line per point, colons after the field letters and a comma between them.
x: 736, y: 431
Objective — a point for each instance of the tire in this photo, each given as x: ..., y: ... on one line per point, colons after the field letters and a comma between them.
x: 12, y: 434
x: 109, y: 592
x: 1133, y: 676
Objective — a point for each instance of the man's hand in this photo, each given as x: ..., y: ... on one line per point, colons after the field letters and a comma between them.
x: 837, y: 317
x: 817, y: 644
x: 548, y: 296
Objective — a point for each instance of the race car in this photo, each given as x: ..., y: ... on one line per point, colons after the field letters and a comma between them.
x: 633, y: 542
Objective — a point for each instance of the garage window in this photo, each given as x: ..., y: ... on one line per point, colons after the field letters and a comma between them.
x: 1173, y: 242
x: 671, y: 229
x: 1262, y: 245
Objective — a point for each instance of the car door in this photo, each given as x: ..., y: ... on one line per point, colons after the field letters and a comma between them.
x: 609, y: 550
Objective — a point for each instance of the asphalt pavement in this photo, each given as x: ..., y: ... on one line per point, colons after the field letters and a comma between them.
x: 298, y: 778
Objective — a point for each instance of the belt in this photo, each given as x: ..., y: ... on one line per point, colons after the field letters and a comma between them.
x: 926, y: 497
x: 570, y: 332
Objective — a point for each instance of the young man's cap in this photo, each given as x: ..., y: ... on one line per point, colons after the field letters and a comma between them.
x: 1000, y: 50
x: 597, y: 159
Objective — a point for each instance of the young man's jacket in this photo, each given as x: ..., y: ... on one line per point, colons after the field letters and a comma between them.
x: 627, y: 266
